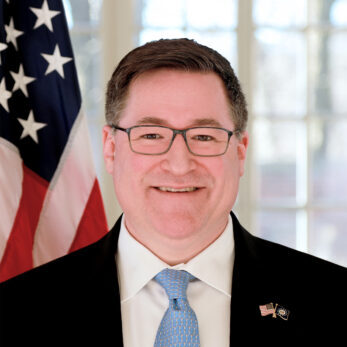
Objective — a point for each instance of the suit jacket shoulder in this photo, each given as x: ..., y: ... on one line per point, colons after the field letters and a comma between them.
x: 76, y: 298
x: 311, y: 290
x: 76, y: 295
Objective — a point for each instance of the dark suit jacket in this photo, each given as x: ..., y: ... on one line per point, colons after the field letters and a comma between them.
x: 75, y: 299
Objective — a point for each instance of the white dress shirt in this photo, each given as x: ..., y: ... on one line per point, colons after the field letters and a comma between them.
x: 144, y: 301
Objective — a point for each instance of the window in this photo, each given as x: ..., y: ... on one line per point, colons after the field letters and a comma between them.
x: 291, y: 58
x: 213, y: 24
x: 299, y: 116
x: 83, y: 19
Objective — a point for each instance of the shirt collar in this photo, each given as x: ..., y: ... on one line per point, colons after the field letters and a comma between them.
x: 137, y: 265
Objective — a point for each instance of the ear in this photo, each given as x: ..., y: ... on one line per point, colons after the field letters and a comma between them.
x: 241, y: 151
x: 108, y: 147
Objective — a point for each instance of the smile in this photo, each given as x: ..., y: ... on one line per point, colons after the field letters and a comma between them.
x: 177, y: 190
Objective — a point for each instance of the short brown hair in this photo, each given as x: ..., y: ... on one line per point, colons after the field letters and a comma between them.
x: 178, y: 54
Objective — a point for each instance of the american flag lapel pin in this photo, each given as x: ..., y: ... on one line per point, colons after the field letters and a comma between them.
x: 267, y: 309
x: 275, y: 311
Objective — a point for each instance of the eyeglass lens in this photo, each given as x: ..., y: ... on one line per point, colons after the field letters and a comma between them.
x: 157, y: 140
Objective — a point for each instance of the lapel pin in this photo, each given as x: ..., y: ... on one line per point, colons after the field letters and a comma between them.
x: 267, y: 309
x: 275, y: 311
x: 281, y: 312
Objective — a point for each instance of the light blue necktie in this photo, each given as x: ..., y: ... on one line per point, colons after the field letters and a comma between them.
x: 179, y: 326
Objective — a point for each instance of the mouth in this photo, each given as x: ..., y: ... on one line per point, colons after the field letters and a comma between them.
x: 177, y: 190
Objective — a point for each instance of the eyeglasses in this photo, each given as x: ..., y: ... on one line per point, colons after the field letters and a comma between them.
x: 157, y: 139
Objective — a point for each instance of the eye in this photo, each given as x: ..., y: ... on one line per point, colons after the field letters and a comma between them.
x: 203, y: 138
x: 151, y: 136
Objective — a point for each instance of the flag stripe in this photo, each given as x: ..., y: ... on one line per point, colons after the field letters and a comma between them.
x: 90, y: 228
x: 70, y: 186
x: 18, y: 253
x: 47, y: 178
x: 11, y: 189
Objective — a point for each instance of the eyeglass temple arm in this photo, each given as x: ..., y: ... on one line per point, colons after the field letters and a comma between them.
x: 115, y: 127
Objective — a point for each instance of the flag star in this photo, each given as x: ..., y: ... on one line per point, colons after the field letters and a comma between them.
x: 44, y: 16
x: 56, y: 61
x: 12, y: 33
x: 21, y: 80
x: 3, y: 46
x: 4, y: 95
x: 30, y: 127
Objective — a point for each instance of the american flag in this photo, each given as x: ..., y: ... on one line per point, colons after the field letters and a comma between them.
x: 267, y: 309
x: 50, y: 202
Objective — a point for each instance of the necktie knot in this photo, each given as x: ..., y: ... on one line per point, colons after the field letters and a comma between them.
x: 175, y: 282
x: 179, y: 326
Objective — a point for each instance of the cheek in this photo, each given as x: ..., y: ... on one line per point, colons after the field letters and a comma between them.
x: 229, y: 188
x: 124, y: 180
x: 130, y: 170
x: 229, y: 166
x: 227, y: 175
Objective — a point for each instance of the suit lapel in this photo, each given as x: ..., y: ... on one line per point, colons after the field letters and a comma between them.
x: 247, y: 295
x: 261, y: 275
x: 246, y: 292
x: 105, y: 277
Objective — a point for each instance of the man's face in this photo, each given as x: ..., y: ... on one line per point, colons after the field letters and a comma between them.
x: 179, y: 100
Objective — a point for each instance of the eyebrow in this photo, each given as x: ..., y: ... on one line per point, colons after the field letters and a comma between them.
x: 197, y: 122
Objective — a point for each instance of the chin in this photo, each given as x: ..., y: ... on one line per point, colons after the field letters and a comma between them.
x: 177, y: 226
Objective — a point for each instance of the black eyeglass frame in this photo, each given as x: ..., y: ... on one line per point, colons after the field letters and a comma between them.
x: 174, y: 133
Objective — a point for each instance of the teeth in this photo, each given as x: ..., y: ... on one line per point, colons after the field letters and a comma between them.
x: 173, y: 190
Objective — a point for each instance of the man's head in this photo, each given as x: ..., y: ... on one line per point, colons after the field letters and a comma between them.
x: 178, y: 54
x: 175, y: 203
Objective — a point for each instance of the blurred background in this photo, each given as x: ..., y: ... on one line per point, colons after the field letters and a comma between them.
x: 291, y: 59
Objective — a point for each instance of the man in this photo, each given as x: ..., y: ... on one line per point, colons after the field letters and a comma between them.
x: 176, y: 145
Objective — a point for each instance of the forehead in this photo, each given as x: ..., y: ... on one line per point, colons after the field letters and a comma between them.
x: 177, y: 98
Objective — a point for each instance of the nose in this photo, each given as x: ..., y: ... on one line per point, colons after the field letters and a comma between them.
x: 178, y: 160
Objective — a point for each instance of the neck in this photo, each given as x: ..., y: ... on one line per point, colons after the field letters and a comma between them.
x: 173, y: 250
